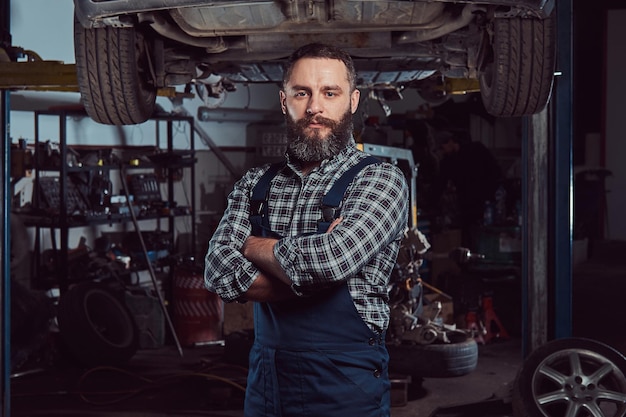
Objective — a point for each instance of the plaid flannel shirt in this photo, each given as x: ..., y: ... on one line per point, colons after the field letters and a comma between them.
x: 361, y: 250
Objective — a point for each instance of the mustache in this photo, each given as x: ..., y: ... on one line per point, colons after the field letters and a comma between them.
x: 310, y: 118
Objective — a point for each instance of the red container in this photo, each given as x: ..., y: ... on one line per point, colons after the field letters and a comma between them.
x: 198, y: 313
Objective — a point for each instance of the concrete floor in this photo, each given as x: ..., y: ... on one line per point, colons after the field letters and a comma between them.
x: 498, y: 364
x: 159, y: 383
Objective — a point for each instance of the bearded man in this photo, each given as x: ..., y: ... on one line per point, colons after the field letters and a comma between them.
x: 320, y: 311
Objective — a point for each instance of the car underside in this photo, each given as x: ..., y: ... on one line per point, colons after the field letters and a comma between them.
x: 395, y: 44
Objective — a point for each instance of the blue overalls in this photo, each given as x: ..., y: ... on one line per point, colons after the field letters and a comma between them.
x: 315, y: 356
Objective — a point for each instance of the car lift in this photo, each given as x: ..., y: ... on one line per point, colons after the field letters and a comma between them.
x: 21, y: 69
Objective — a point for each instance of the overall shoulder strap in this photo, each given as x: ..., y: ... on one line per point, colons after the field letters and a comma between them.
x: 331, y: 202
x: 258, y: 202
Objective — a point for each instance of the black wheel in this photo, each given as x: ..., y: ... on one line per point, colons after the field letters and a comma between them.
x: 517, y: 73
x: 571, y: 378
x: 96, y: 326
x: 113, y: 74
x: 436, y: 360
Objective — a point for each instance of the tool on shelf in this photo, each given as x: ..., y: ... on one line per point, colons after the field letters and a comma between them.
x: 149, y: 264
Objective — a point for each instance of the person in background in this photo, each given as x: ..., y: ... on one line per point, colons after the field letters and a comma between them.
x: 475, y: 174
x: 320, y: 299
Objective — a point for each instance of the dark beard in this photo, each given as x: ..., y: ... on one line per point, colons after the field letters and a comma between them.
x: 314, y: 148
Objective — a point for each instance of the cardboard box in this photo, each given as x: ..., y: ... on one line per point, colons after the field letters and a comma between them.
x: 237, y: 316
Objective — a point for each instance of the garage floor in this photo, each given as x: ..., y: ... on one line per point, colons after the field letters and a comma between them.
x: 158, y: 383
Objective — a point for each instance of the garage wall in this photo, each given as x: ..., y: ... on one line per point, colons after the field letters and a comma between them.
x: 615, y: 134
x: 44, y: 27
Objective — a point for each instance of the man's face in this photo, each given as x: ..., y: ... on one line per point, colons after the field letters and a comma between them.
x: 318, y: 104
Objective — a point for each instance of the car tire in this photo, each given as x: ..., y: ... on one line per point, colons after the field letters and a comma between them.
x: 571, y: 377
x: 96, y: 326
x: 435, y: 360
x: 111, y: 67
x: 517, y: 74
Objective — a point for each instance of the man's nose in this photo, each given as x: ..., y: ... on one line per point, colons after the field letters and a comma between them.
x: 315, y: 106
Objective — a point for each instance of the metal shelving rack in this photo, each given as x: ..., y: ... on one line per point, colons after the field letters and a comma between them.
x: 65, y: 221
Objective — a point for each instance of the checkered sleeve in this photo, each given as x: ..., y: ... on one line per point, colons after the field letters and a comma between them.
x: 226, y: 271
x: 375, y: 214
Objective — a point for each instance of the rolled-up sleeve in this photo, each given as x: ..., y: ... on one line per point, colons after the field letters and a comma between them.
x: 226, y: 271
x: 375, y: 214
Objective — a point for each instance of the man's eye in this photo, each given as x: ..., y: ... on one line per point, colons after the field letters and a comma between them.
x: 330, y: 94
x: 301, y: 94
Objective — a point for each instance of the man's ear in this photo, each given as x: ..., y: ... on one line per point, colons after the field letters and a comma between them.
x: 283, y: 101
x: 354, y: 100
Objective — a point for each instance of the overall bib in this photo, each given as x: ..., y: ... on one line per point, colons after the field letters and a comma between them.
x: 315, y: 356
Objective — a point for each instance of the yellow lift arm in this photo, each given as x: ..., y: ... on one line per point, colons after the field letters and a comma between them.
x: 41, y: 75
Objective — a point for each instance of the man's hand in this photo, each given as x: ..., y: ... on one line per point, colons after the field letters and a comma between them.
x: 334, y: 224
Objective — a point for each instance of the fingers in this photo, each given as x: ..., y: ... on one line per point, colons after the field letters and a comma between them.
x: 334, y: 224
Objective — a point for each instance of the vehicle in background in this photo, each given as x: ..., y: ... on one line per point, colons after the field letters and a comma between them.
x: 127, y: 51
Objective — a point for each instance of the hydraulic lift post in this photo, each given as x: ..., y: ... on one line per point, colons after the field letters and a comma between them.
x: 5, y: 246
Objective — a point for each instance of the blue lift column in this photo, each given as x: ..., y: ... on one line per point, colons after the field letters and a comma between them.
x: 563, y: 178
x: 5, y: 246
x: 548, y: 196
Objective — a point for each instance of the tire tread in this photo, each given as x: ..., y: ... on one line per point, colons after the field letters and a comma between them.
x: 522, y: 68
x: 437, y: 360
x: 109, y: 76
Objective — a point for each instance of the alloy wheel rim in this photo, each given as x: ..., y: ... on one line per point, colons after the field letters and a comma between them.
x: 577, y: 383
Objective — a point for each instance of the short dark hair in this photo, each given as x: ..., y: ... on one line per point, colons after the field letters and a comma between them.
x: 319, y: 50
